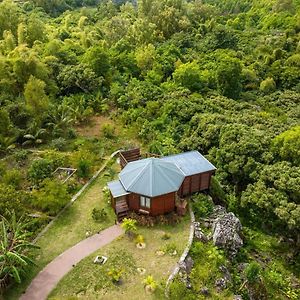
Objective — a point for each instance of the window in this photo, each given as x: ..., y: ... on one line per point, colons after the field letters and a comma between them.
x: 145, y: 202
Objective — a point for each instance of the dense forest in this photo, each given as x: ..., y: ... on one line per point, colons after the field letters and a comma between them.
x: 221, y: 77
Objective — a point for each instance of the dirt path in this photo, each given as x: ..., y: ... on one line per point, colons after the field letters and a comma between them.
x: 48, y: 278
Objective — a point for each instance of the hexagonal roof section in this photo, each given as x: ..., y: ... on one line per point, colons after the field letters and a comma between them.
x: 151, y: 177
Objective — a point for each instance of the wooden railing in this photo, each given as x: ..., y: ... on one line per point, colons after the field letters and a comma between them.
x: 133, y: 155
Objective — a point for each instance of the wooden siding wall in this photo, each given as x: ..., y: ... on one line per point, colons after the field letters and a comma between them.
x: 159, y: 205
x: 195, y: 183
x: 128, y: 156
x: 133, y: 201
x: 163, y: 204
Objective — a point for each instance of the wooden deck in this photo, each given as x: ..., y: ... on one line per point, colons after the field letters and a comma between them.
x: 133, y: 155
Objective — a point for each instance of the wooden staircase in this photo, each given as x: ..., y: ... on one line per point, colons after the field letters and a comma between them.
x: 121, y: 209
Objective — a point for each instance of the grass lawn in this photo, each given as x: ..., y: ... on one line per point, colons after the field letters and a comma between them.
x: 90, y: 281
x: 71, y: 227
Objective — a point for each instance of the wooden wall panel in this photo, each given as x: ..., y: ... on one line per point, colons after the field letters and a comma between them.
x: 185, y: 187
x: 163, y: 204
x: 205, y: 179
x: 195, y: 179
x: 133, y: 201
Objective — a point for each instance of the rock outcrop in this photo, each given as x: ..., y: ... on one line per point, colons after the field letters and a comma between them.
x: 226, y: 232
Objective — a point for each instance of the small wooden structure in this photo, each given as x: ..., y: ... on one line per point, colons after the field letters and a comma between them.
x: 152, y: 185
x: 127, y: 156
x: 64, y: 174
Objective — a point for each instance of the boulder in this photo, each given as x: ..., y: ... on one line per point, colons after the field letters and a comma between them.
x: 226, y: 230
x: 218, y: 211
x: 189, y: 263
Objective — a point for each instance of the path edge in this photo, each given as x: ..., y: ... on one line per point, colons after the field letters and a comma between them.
x: 76, y: 196
x: 184, y: 254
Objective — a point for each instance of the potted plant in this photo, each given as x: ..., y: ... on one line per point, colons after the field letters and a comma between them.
x: 115, y: 275
x: 140, y: 242
x: 150, y: 284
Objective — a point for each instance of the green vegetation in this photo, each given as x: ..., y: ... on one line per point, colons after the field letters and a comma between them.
x: 74, y: 225
x: 218, y: 76
x: 15, y: 249
x: 123, y: 255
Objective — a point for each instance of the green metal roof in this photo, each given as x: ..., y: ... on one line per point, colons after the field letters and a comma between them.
x: 151, y: 177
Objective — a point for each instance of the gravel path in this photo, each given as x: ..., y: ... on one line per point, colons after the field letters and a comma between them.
x: 48, y: 278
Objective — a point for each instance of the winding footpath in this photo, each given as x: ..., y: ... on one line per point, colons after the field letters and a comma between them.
x: 48, y: 278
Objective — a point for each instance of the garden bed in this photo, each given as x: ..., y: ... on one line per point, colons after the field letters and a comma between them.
x: 91, y: 281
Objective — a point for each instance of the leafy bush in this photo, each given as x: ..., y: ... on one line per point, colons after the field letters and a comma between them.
x: 99, y: 215
x: 13, y: 178
x: 51, y: 197
x: 216, y: 191
x: 72, y: 185
x: 252, y: 272
x: 115, y: 274
x: 12, y: 200
x: 178, y: 291
x: 84, y: 169
x: 166, y: 236
x: 140, y: 239
x: 150, y: 283
x: 59, y: 144
x: 21, y: 156
x: 108, y: 131
x: 39, y: 170
x: 129, y: 225
x: 202, y: 205
x: 170, y: 248
x: 268, y: 85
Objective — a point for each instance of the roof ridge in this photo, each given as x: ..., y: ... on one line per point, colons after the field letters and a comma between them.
x: 138, y: 176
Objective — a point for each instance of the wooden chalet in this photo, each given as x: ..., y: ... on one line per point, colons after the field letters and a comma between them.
x: 153, y: 185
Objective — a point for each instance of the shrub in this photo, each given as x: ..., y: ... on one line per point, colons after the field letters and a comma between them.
x: 51, y: 197
x: 58, y: 159
x: 139, y: 239
x: 59, y: 144
x: 108, y: 131
x: 99, y: 215
x: 84, y: 168
x: 252, y: 272
x: 129, y: 225
x: 72, y: 185
x: 13, y: 178
x: 202, y: 205
x: 166, y: 236
x: 21, y: 156
x: 268, y: 85
x: 39, y: 170
x: 71, y: 134
x: 115, y: 274
x: 170, y: 248
x: 178, y: 291
x: 216, y: 191
x: 150, y: 283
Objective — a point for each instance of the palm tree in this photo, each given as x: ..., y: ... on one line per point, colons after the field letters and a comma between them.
x: 14, y: 249
x: 60, y: 119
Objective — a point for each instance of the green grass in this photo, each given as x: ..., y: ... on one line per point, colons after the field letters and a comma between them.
x: 90, y: 281
x: 70, y: 228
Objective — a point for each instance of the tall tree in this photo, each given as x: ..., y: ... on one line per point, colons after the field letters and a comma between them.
x: 37, y: 102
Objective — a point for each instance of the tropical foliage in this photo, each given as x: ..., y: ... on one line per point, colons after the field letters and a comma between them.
x: 218, y: 76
